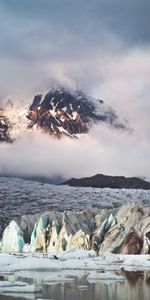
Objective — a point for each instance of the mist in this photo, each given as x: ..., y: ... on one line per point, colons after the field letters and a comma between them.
x: 123, y: 84
x: 40, y: 155
x: 100, y: 48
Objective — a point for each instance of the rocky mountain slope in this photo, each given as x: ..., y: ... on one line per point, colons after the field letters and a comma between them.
x: 104, y: 181
x: 61, y: 112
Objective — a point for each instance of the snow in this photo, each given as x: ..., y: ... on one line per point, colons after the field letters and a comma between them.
x: 61, y: 129
x: 70, y: 105
x: 64, y: 109
x: 62, y: 118
x: 74, y: 114
x: 2, y: 122
x: 17, y: 116
x: 52, y: 112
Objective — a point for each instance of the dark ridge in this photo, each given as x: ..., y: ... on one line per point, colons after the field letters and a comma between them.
x: 114, y: 182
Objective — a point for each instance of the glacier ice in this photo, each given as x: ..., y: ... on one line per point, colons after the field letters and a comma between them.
x: 12, y: 240
x: 125, y: 230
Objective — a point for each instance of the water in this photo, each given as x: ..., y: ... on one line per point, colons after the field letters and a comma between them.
x: 135, y: 287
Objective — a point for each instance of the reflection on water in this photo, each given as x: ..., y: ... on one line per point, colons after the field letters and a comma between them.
x: 135, y: 287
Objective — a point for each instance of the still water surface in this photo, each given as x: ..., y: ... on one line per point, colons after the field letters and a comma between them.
x: 135, y: 287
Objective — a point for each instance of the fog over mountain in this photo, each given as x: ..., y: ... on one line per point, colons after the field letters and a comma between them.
x: 99, y: 47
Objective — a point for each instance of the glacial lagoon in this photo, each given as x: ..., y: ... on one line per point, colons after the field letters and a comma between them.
x: 135, y: 287
x: 19, y: 197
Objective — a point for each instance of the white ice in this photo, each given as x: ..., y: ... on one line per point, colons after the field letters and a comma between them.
x: 72, y: 260
x: 111, y: 276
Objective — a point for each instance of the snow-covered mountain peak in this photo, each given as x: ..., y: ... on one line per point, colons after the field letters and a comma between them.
x: 60, y: 112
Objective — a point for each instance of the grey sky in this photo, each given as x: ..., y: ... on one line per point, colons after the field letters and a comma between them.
x: 100, y: 46
x: 60, y: 33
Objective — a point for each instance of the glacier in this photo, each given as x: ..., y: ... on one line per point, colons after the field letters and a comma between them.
x: 121, y: 231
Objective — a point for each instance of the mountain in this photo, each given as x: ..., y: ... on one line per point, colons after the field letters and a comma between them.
x: 61, y: 112
x: 65, y: 112
x: 13, y: 121
x: 114, y: 182
x: 5, y: 126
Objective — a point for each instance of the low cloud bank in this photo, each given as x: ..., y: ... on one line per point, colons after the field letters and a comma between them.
x: 104, y: 151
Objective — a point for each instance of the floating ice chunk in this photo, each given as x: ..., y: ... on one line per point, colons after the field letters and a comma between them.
x: 12, y: 240
x: 113, y: 258
x: 47, y: 277
x: 94, y: 276
x: 20, y: 289
x: 76, y: 254
x: 11, y: 283
x: 82, y: 287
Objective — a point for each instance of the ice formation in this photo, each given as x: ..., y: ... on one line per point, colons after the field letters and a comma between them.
x: 12, y: 240
x: 125, y: 231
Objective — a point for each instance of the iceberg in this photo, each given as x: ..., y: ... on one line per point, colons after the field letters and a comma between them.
x: 12, y: 239
x: 56, y: 232
x: 121, y: 231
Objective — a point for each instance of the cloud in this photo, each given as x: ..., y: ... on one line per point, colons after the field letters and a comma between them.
x: 123, y: 83
x: 129, y: 20
x: 101, y: 47
x: 69, y: 41
x: 103, y: 151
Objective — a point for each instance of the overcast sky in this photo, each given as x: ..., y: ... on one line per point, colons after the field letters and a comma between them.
x: 99, y: 46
